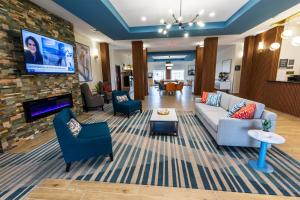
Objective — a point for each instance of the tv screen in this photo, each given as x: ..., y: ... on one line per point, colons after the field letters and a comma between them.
x: 44, y: 55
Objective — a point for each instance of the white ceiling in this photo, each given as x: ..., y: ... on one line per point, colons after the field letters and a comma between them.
x: 132, y: 10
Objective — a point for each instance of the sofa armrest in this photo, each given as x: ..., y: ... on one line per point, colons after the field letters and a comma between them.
x: 197, y: 100
x: 235, y: 131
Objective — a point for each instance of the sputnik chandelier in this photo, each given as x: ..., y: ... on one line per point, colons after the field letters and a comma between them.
x: 182, y: 25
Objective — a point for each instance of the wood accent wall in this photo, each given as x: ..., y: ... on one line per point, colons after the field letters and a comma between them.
x: 259, y: 77
x: 198, y: 70
x: 247, y: 66
x: 145, y: 60
x: 209, y: 64
x: 105, y: 62
x: 138, y: 69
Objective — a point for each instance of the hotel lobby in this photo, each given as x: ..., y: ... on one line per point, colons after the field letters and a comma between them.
x: 161, y: 100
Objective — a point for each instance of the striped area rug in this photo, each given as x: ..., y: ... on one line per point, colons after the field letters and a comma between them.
x: 190, y: 160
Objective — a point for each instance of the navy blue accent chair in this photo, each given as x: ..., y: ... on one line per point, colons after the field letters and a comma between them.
x: 127, y: 107
x: 93, y: 139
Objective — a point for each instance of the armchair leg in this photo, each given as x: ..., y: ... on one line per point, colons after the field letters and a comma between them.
x: 102, y: 108
x: 114, y: 113
x: 128, y: 115
x: 68, y: 166
x: 111, y: 156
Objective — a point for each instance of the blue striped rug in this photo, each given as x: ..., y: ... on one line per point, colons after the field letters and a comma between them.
x: 190, y: 160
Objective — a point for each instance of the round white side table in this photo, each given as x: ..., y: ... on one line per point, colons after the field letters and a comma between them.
x: 265, y: 138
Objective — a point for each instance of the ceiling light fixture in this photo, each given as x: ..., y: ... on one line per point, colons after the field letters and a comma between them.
x: 274, y: 46
x: 178, y: 21
x: 261, y: 45
x: 287, y: 34
x: 144, y: 18
x: 212, y: 14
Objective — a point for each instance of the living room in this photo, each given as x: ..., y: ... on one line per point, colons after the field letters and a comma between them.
x: 108, y: 99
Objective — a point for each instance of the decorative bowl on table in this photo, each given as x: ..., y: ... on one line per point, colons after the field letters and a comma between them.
x: 163, y: 111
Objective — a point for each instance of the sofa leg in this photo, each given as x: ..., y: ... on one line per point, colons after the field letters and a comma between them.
x: 68, y: 166
x: 111, y: 156
x: 102, y: 108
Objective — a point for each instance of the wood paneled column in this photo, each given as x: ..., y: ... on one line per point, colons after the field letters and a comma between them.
x: 145, y: 60
x: 246, y: 72
x: 105, y: 62
x: 138, y: 69
x: 168, y: 73
x: 209, y: 64
x: 198, y: 70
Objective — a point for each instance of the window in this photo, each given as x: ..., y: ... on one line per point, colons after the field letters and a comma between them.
x: 177, y: 74
x: 158, y: 75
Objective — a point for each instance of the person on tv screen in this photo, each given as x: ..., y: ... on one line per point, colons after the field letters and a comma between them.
x: 33, y: 54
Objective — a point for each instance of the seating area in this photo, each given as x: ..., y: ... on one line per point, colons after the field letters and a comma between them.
x: 158, y: 100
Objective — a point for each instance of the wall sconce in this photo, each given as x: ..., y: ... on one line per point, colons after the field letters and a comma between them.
x: 261, y: 45
x: 95, y: 53
x: 274, y: 46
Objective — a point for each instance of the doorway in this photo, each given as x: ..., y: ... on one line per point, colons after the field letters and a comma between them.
x: 118, y: 77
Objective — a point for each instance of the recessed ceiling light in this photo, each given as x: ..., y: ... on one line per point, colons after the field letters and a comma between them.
x: 201, y: 12
x: 162, y: 21
x: 144, y: 18
x: 212, y: 14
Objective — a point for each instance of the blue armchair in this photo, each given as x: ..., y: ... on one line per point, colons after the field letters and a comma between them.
x: 127, y: 107
x: 93, y: 139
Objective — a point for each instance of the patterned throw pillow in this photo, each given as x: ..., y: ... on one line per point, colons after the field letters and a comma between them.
x: 74, y: 126
x: 246, y: 112
x: 122, y: 98
x: 214, y: 99
x: 204, y: 97
x: 236, y: 108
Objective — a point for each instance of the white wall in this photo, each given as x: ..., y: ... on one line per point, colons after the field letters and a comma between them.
x: 178, y: 65
x: 288, y: 51
x: 235, y: 54
x: 96, y: 63
x: 118, y: 57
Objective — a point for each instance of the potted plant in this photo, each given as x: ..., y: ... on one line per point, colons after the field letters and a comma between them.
x: 266, y: 125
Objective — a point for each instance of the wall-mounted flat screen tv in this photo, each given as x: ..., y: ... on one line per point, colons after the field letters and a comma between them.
x: 44, y: 55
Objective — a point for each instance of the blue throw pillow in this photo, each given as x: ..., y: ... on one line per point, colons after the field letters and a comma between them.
x: 236, y: 108
x: 214, y: 99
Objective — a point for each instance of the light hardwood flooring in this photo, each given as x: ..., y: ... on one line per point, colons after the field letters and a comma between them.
x: 56, y: 189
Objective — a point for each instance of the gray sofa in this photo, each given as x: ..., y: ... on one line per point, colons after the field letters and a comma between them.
x: 229, y: 131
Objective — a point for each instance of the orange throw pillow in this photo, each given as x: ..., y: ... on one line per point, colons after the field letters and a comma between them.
x: 246, y: 112
x: 204, y: 97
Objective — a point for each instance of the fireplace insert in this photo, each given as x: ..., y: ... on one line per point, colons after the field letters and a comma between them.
x: 37, y: 109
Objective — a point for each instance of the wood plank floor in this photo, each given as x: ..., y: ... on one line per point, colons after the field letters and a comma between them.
x: 56, y: 189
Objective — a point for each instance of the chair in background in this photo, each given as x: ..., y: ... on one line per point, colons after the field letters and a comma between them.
x: 171, y: 88
x: 125, y: 107
x: 104, y: 88
x: 90, y: 101
x: 93, y: 139
x: 179, y: 86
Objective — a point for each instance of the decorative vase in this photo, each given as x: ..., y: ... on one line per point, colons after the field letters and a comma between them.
x: 266, y: 125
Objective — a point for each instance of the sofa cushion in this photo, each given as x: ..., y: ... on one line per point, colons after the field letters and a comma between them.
x: 213, y: 117
x: 214, y: 99
x: 235, y: 100
x: 236, y: 108
x: 225, y: 100
x: 246, y: 112
x: 259, y: 109
x: 203, y: 108
x: 204, y: 97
